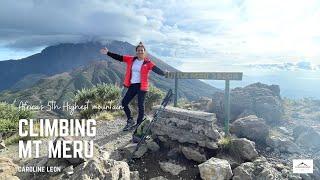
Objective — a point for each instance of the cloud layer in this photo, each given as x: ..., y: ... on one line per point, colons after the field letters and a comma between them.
x: 234, y: 31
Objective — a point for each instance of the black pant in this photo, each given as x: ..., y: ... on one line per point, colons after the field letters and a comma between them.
x: 131, y: 93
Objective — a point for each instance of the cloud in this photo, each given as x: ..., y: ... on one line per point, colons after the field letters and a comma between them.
x: 233, y: 31
x: 301, y: 65
x: 31, y: 24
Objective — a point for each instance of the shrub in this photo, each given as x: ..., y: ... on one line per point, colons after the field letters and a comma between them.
x: 104, y: 116
x: 101, y: 95
x: 10, y: 116
x: 225, y: 143
x: 153, y: 97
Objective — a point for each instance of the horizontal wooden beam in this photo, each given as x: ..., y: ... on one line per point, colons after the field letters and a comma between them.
x: 206, y: 75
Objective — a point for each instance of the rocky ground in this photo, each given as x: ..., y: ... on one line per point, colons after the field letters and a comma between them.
x: 188, y: 144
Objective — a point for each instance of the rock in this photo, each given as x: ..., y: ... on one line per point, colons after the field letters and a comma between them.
x: 308, y: 138
x: 211, y: 145
x: 294, y: 177
x: 7, y: 168
x: 233, y: 161
x: 68, y: 170
x: 173, y: 153
x: 245, y: 113
x: 250, y: 127
x: 282, y: 143
x: 162, y: 139
x: 316, y: 167
x: 262, y: 99
x: 279, y: 166
x: 134, y: 175
x: 244, y: 172
x: 305, y: 176
x: 158, y: 178
x: 214, y: 168
x: 259, y: 169
x: 244, y: 148
x: 153, y: 146
x: 298, y: 130
x: 128, y: 150
x: 185, y: 126
x: 264, y: 170
x: 2, y: 145
x: 171, y: 168
x: 284, y: 130
x: 106, y: 169
x: 7, y: 177
x: 105, y: 155
x: 193, y: 154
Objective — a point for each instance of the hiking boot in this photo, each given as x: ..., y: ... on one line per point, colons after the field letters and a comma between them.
x: 130, y: 125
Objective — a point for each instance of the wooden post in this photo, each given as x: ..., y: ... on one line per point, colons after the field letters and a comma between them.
x: 175, y: 90
x: 227, y: 107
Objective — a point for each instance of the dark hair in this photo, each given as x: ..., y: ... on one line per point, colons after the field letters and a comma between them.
x: 140, y: 45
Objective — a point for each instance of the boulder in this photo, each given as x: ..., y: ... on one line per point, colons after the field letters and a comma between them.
x: 245, y: 113
x: 214, y: 168
x: 307, y: 137
x: 250, y: 127
x: 106, y: 169
x: 261, y: 99
x: 8, y: 169
x: 264, y: 170
x: 232, y: 160
x: 134, y: 175
x: 282, y: 143
x: 171, y: 168
x: 185, y: 126
x: 244, y: 148
x: 128, y: 150
x: 193, y: 153
x: 259, y: 169
x: 153, y: 146
x: 244, y: 171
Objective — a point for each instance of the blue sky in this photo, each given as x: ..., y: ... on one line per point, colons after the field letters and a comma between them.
x: 183, y: 33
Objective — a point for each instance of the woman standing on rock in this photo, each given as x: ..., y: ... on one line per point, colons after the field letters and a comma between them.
x: 136, y: 80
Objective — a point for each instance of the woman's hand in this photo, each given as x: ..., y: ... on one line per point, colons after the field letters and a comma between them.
x: 104, y: 51
x: 166, y: 73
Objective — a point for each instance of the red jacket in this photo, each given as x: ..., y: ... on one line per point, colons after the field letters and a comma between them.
x: 145, y: 69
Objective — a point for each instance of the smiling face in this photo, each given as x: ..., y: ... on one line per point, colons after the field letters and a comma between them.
x: 141, y: 52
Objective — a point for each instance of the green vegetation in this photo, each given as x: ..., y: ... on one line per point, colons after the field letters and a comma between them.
x: 10, y: 116
x: 101, y: 97
x: 153, y: 97
x: 225, y: 143
x: 184, y: 103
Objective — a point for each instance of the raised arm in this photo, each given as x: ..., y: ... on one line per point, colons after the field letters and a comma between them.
x: 158, y: 71
x: 115, y: 56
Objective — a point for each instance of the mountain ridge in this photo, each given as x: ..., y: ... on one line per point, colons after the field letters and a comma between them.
x: 77, y: 58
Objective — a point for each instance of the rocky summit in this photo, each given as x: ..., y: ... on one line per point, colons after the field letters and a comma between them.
x: 189, y: 144
x: 257, y: 99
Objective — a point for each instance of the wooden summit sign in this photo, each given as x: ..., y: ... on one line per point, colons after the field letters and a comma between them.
x: 206, y: 75
x: 227, y: 76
